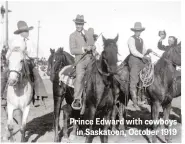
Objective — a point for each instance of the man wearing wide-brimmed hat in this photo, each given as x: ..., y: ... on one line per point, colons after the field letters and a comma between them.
x: 137, y: 60
x: 80, y: 42
x: 23, y: 42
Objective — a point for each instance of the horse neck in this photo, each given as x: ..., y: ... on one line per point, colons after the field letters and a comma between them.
x: 164, y: 68
x: 69, y: 58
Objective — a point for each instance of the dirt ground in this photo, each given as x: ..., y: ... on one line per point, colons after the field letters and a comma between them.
x: 40, y: 124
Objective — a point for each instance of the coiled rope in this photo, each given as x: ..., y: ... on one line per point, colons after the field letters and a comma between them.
x: 147, y: 75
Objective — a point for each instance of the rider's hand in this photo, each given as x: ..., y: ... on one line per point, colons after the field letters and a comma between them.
x: 88, y: 48
x: 93, y: 47
x: 148, y: 51
x: 162, y: 35
x: 146, y: 59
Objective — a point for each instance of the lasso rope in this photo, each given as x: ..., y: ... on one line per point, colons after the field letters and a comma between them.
x: 147, y: 75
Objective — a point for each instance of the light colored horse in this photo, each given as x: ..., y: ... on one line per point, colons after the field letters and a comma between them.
x: 19, y: 89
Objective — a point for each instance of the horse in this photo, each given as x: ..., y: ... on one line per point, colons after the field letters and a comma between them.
x: 57, y: 62
x: 19, y: 89
x: 52, y: 51
x: 97, y: 96
x: 165, y: 87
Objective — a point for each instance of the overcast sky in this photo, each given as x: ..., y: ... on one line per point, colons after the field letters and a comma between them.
x: 110, y: 18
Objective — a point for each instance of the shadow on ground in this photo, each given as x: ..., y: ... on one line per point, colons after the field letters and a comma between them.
x: 39, y: 126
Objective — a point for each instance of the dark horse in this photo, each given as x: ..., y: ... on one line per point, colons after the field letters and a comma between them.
x: 166, y: 86
x: 98, y: 90
x: 50, y: 59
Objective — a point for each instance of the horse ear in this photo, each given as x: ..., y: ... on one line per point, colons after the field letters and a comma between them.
x: 116, y: 38
x: 103, y: 38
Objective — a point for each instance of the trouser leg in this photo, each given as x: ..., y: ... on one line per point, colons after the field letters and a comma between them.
x: 135, y: 65
x: 78, y: 86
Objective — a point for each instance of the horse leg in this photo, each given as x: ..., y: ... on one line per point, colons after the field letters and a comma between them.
x: 104, y: 138
x: 57, y: 106
x: 10, y: 109
x: 155, y: 115
x: 115, y: 111
x: 166, y: 111
x: 24, y: 120
x: 67, y: 110
x: 121, y: 118
x: 92, y: 110
x: 73, y: 133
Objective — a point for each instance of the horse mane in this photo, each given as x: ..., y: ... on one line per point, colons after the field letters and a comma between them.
x: 163, y: 63
x: 69, y: 57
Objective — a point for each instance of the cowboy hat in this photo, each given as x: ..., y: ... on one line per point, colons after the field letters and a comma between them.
x: 162, y: 33
x: 79, y: 19
x: 138, y: 27
x: 22, y: 27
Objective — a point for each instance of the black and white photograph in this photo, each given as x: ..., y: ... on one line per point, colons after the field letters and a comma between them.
x: 91, y: 71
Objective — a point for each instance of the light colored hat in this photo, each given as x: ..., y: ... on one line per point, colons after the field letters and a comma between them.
x: 91, y: 31
x: 79, y: 19
x: 138, y: 27
x: 22, y: 27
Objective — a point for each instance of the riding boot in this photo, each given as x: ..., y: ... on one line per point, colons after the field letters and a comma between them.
x: 134, y: 99
x: 77, y: 103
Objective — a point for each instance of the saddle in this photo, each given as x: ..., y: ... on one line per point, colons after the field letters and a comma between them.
x: 67, y: 75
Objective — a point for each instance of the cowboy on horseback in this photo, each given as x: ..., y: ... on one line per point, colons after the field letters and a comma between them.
x: 22, y: 38
x: 136, y: 60
x: 81, y: 42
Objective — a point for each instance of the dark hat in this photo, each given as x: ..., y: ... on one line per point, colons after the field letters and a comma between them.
x: 138, y: 27
x: 22, y: 27
x: 79, y: 19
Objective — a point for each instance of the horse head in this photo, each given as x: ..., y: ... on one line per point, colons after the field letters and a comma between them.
x: 52, y: 51
x: 60, y: 59
x: 174, y: 55
x: 109, y: 55
x: 16, y: 57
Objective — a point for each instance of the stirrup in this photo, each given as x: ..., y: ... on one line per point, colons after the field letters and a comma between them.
x: 76, y: 108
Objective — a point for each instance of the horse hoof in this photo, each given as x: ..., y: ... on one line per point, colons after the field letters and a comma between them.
x: 72, y: 137
x: 65, y: 140
x: 12, y: 140
x: 5, y: 138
